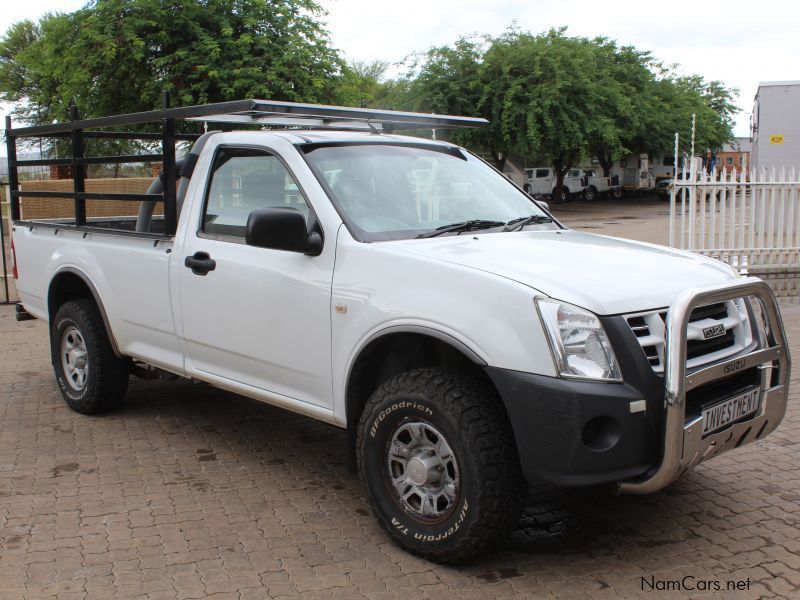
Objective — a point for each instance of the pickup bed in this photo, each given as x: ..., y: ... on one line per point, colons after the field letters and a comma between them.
x: 403, y: 289
x: 599, y: 185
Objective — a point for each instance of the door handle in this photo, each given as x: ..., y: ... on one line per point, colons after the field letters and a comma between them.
x: 200, y: 263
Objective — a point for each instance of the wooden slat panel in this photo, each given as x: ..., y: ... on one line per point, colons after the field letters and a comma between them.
x: 50, y: 208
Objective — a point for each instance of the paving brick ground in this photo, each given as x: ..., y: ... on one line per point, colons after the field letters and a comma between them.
x: 190, y: 492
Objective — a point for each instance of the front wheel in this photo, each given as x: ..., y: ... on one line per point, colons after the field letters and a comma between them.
x: 92, y: 379
x: 438, y: 461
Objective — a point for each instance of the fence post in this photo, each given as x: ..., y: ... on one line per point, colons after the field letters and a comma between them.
x: 672, y: 195
x: 3, y: 221
x: 13, y: 186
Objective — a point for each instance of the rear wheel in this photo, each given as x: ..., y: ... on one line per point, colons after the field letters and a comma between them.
x: 617, y: 193
x: 439, y: 464
x: 591, y: 193
x: 92, y: 379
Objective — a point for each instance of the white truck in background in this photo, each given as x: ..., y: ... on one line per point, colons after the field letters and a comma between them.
x: 402, y: 289
x: 599, y: 186
x: 634, y: 174
x: 542, y: 183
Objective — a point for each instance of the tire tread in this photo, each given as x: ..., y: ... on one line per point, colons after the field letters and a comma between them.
x: 110, y: 371
x: 501, y: 492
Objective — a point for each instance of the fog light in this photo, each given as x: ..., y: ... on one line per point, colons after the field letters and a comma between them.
x: 601, y: 434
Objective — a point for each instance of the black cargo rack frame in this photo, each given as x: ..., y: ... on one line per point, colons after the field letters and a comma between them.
x: 251, y: 112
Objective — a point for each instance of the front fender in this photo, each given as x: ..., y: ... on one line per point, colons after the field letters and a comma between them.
x: 378, y: 289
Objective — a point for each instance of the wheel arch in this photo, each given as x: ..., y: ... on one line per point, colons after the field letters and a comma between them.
x: 395, y: 350
x: 68, y: 284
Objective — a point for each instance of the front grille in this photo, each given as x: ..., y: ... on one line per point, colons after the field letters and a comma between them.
x: 641, y: 329
x: 712, y: 311
x: 697, y: 348
x: 649, y: 329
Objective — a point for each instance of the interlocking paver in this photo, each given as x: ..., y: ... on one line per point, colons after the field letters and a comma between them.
x: 188, y: 492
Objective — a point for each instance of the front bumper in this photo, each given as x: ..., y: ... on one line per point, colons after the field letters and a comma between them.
x: 682, y: 441
x: 550, y: 417
x: 641, y: 433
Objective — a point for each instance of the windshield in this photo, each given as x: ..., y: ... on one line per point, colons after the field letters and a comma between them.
x: 389, y: 192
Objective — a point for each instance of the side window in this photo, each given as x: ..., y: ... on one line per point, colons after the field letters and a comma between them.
x: 245, y: 179
x: 542, y: 173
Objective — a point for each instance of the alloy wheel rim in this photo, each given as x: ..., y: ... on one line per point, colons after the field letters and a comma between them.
x: 74, y: 358
x: 422, y: 471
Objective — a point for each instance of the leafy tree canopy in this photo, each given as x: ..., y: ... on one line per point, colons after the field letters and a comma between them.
x: 361, y: 83
x: 549, y: 96
x: 116, y: 56
x: 565, y: 99
x: 711, y: 103
x: 448, y: 80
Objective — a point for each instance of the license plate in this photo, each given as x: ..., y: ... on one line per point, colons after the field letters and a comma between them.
x: 726, y: 412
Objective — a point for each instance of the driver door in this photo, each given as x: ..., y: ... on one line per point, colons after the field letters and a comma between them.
x: 261, y: 317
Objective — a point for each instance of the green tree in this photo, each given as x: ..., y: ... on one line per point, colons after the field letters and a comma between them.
x: 448, y: 80
x: 563, y: 99
x: 361, y: 83
x: 116, y: 56
x: 711, y: 103
x: 545, y: 95
x: 628, y: 119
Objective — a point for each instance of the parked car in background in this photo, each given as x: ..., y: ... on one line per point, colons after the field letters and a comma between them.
x: 542, y: 182
x: 664, y: 186
x: 598, y: 185
x: 663, y: 189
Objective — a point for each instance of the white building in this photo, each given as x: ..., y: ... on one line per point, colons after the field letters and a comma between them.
x: 775, y: 125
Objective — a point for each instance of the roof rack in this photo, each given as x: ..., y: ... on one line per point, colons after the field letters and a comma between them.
x: 266, y: 113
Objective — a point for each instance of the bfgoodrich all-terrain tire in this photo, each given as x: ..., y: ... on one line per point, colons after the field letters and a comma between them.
x: 91, y: 377
x: 439, y: 463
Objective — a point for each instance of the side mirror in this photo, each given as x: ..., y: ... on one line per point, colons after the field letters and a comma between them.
x: 281, y: 228
x: 544, y: 205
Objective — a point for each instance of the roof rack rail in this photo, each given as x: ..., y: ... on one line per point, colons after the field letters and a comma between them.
x: 266, y: 113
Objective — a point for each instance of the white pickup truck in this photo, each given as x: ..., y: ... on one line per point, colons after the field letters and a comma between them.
x: 598, y: 185
x: 403, y: 289
x: 542, y: 182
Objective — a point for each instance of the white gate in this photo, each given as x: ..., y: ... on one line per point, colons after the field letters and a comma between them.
x: 750, y: 221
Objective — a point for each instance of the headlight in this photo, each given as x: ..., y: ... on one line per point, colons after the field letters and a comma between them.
x: 579, y: 342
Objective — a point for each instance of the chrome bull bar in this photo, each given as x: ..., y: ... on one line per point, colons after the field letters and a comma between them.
x: 684, y: 445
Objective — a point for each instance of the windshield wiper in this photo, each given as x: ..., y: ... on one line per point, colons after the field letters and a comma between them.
x: 517, y: 224
x: 473, y: 225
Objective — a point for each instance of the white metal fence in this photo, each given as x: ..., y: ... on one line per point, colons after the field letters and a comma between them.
x: 748, y: 220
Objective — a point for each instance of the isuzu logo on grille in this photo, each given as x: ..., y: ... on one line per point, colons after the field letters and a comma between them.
x: 713, y: 331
